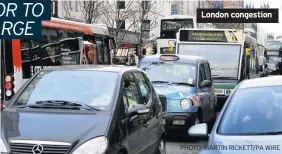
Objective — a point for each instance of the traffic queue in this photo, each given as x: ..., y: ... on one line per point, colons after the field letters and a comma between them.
x: 128, y: 110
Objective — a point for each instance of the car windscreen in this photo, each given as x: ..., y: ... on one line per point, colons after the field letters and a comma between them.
x: 224, y: 59
x: 170, y: 71
x: 253, y: 111
x: 94, y: 88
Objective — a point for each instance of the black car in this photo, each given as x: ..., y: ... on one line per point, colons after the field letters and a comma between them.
x: 84, y: 110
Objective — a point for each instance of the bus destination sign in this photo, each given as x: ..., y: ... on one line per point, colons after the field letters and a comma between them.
x: 211, y: 36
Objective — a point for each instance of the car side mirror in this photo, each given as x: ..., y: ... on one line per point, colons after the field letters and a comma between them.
x: 205, y: 84
x: 138, y: 109
x: 199, y: 130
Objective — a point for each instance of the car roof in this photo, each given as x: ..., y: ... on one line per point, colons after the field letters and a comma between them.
x: 182, y: 58
x: 262, y: 82
x: 106, y: 68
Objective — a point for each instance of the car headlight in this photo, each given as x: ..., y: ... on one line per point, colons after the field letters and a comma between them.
x: 2, y: 147
x: 228, y: 91
x: 186, y: 103
x: 94, y: 146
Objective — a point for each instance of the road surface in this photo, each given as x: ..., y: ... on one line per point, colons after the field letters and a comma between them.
x: 178, y: 145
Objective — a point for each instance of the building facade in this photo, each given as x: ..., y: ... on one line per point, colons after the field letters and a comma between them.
x: 74, y: 10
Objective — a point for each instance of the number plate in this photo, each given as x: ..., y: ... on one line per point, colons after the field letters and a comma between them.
x: 178, y: 122
x: 219, y: 91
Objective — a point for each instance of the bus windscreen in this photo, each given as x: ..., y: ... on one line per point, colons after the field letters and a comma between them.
x: 273, y: 45
x: 224, y: 59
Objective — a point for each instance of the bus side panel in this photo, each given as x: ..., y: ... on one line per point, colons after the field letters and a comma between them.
x: 17, y: 62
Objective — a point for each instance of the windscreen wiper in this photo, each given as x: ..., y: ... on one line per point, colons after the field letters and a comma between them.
x: 60, y: 104
x: 159, y: 81
x: 270, y: 133
x: 182, y: 83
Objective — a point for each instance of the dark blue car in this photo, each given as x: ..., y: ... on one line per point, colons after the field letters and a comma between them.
x: 185, y: 88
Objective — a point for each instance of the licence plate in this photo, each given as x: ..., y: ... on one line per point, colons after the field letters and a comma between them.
x: 178, y: 122
x: 219, y: 91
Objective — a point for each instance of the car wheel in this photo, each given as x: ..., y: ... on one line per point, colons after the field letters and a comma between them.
x: 161, y: 147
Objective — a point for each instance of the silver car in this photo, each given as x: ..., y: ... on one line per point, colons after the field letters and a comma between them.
x: 250, y: 122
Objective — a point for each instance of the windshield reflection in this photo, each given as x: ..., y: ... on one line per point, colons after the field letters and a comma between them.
x: 74, y: 86
x: 169, y: 72
x: 253, y: 111
x: 224, y: 59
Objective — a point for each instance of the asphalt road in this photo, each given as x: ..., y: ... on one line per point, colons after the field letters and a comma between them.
x: 179, y: 144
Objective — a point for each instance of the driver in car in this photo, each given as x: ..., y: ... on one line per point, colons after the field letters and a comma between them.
x: 129, y: 94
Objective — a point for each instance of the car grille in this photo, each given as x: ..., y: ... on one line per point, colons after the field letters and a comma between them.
x: 23, y: 148
x: 163, y: 101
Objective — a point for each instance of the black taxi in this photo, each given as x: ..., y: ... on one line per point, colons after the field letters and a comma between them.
x: 84, y: 110
x: 185, y: 88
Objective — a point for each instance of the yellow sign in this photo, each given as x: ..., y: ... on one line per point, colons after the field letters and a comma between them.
x: 170, y: 48
x: 248, y: 51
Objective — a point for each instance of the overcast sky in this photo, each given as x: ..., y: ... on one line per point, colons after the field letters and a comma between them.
x: 277, y: 27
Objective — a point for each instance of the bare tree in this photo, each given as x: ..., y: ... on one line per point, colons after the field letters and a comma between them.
x: 91, y: 10
x: 146, y: 19
x: 116, y: 13
x: 67, y: 9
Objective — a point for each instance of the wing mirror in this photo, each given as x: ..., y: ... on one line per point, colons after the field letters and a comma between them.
x: 199, y: 130
x: 205, y: 84
x: 138, y: 109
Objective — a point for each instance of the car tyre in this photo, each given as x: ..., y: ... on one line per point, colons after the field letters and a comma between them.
x: 161, y: 147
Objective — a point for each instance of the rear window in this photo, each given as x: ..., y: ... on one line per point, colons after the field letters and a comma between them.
x: 87, y: 87
x: 253, y: 111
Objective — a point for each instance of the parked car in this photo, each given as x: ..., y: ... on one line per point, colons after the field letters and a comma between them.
x: 84, y: 110
x: 185, y: 88
x: 251, y: 116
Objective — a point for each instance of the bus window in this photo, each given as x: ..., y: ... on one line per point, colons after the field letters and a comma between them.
x: 49, y: 36
x: 106, y: 51
x: 70, y: 53
x: 99, y: 49
x: 26, y: 58
x: 63, y: 34
x: 169, y: 27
